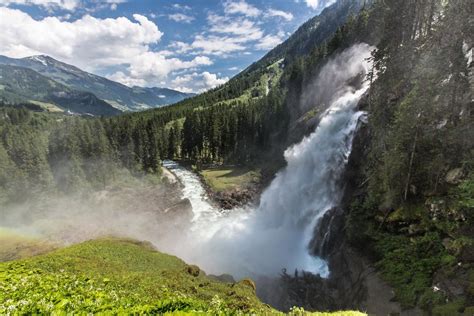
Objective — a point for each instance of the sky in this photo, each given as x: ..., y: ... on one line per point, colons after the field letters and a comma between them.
x: 187, y: 45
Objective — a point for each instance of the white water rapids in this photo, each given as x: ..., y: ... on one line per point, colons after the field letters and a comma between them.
x: 275, y: 235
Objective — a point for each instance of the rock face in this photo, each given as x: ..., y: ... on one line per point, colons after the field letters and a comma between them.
x: 353, y: 282
x: 454, y: 176
x: 180, y: 210
x: 233, y: 198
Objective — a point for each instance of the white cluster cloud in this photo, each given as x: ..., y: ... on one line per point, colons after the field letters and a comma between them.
x: 270, y: 41
x: 91, y: 43
x: 202, y: 81
x: 69, y: 5
x: 126, y: 48
x: 87, y: 42
x: 153, y: 65
x: 312, y: 3
x: 315, y: 4
x: 62, y: 4
x: 181, y: 7
x: 235, y: 31
x: 279, y: 13
x: 231, y: 7
x: 180, y: 17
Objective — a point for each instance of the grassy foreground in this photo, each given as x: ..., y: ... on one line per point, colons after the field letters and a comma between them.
x: 121, y: 276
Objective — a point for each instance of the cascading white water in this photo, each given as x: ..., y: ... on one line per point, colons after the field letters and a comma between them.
x: 243, y: 242
x: 276, y: 234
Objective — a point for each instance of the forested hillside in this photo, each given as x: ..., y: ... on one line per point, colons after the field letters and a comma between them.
x: 417, y: 207
x: 412, y: 211
x: 244, y: 121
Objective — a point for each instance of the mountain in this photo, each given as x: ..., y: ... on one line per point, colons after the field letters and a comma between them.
x: 19, y: 84
x: 118, y: 95
x: 313, y: 32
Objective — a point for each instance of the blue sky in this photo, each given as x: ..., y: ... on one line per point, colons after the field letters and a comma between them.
x: 186, y: 45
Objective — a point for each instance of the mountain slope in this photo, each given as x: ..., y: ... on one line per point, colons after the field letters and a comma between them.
x: 313, y: 32
x: 123, y: 276
x: 116, y: 94
x: 249, y: 84
x: 18, y: 84
x: 117, y: 276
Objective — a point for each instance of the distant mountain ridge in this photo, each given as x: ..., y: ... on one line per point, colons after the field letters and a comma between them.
x: 116, y: 94
x: 24, y: 85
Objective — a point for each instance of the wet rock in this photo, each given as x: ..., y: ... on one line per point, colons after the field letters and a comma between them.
x: 446, y: 243
x: 327, y: 233
x: 467, y: 253
x: 179, y: 211
x: 454, y: 176
x: 250, y: 283
x: 234, y: 198
x: 193, y: 270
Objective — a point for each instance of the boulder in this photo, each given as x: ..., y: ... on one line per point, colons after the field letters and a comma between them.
x: 454, y: 176
x: 181, y: 210
x: 193, y: 270
x: 249, y: 283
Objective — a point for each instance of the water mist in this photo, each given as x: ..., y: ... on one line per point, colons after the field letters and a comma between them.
x: 274, y: 236
x: 246, y: 241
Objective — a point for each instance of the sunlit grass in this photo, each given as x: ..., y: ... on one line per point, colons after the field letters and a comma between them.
x: 228, y: 178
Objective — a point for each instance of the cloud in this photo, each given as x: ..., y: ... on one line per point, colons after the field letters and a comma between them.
x: 181, y: 7
x: 312, y: 3
x: 211, y: 80
x: 247, y: 29
x: 154, y: 66
x: 93, y: 44
x: 217, y: 45
x: 197, y: 82
x: 151, y: 68
x: 121, y: 77
x: 315, y: 4
x: 270, y: 41
x: 49, y: 4
x: 241, y: 7
x: 278, y: 13
x: 87, y: 42
x: 225, y: 35
x: 179, y: 17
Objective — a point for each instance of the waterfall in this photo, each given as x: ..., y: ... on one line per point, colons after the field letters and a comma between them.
x: 276, y: 234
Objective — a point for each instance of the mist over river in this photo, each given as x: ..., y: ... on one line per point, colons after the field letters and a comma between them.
x: 275, y: 235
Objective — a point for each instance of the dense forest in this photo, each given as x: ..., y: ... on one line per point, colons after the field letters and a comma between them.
x: 414, y: 212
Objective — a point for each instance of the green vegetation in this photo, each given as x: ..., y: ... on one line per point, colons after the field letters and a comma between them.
x: 228, y: 178
x: 117, y: 276
x: 301, y: 312
x: 412, y: 219
x: 121, y: 276
x: 408, y: 217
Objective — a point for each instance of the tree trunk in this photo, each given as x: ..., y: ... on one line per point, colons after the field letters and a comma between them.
x: 412, y: 156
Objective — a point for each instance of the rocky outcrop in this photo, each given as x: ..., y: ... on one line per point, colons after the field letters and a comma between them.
x: 181, y: 210
x: 353, y: 282
x: 230, y: 199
